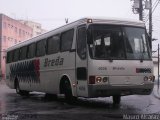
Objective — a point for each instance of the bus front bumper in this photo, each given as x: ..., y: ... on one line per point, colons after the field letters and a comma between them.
x: 109, y: 90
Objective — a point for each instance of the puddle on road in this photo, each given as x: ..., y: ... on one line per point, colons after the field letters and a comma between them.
x: 37, y: 103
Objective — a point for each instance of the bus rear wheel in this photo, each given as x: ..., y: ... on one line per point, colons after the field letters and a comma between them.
x: 20, y: 92
x: 116, y: 99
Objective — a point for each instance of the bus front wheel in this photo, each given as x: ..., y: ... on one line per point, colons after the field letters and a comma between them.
x: 116, y: 99
x: 67, y: 91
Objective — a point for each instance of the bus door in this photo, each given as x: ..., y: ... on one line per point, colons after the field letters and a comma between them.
x: 81, y: 62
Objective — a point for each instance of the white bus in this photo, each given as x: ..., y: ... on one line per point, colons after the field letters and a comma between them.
x: 87, y: 58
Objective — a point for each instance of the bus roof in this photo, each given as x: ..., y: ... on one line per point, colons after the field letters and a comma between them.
x: 112, y: 21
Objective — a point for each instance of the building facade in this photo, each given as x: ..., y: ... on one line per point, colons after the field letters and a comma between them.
x: 11, y: 33
x: 37, y: 28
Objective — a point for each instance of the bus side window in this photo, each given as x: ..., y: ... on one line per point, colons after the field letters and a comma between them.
x: 53, y: 44
x: 66, y: 40
x: 9, y: 56
x: 41, y: 48
x: 16, y: 55
x: 31, y: 50
x: 81, y: 42
x: 23, y: 53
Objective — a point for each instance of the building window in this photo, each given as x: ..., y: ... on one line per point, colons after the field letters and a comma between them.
x: 38, y: 27
x: 19, y: 32
x: 15, y: 41
x: 15, y: 29
x: 38, y: 33
x: 23, y: 33
x: 4, y: 38
x: 4, y: 25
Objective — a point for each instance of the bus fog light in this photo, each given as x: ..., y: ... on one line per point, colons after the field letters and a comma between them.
x: 150, y: 78
x: 145, y: 78
x: 98, y: 79
x: 105, y: 79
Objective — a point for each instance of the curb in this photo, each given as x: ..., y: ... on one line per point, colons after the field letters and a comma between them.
x: 156, y: 92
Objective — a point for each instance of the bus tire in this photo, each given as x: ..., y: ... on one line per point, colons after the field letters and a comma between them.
x: 20, y: 92
x: 67, y: 91
x: 116, y: 99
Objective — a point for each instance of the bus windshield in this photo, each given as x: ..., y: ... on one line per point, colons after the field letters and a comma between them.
x: 118, y: 42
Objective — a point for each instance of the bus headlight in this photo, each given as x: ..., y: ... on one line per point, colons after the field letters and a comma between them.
x: 145, y: 78
x: 98, y: 79
x: 151, y: 78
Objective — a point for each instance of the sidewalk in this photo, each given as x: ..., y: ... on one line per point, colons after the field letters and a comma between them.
x: 156, y: 91
x: 2, y: 82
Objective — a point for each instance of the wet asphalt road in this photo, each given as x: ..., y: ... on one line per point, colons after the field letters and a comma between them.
x: 37, y: 107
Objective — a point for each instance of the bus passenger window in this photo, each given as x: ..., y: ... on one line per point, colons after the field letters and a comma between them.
x: 9, y: 56
x: 31, y: 50
x: 53, y: 44
x: 66, y: 40
x: 23, y: 53
x: 16, y: 55
x: 40, y: 49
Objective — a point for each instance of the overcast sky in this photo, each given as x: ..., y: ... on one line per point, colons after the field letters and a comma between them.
x: 52, y: 13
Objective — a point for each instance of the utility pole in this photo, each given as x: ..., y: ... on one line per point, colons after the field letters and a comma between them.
x: 158, y: 66
x: 137, y: 8
x: 140, y: 10
x: 150, y: 21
